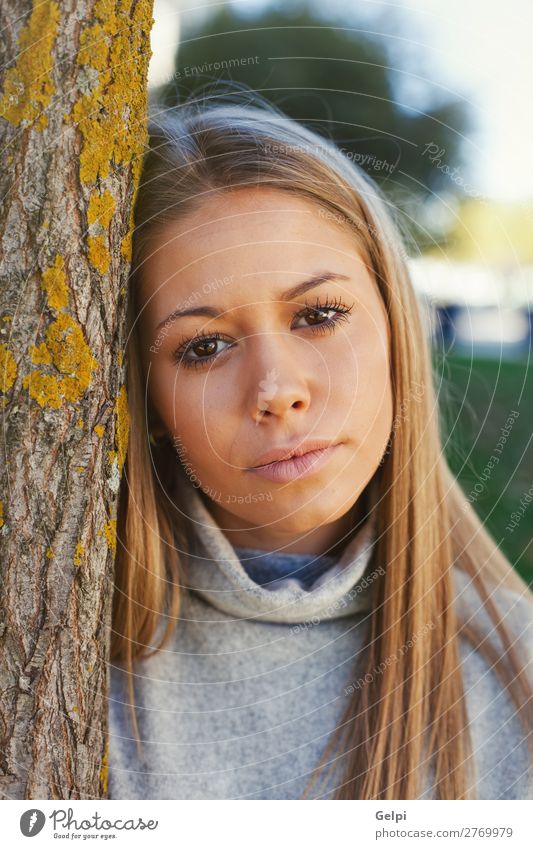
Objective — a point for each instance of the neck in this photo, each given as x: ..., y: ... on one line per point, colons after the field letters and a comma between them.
x: 330, y: 539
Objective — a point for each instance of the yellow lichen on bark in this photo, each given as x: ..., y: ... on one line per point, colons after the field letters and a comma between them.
x: 99, y: 214
x: 29, y: 87
x: 54, y: 283
x: 122, y: 426
x: 65, y: 348
x: 99, y: 430
x: 110, y: 532
x: 78, y: 554
x: 112, y: 116
x: 101, y: 208
x: 69, y: 353
x: 44, y: 388
x: 104, y: 771
x: 8, y: 368
x: 1, y: 514
x: 94, y: 47
x: 40, y: 355
x: 117, y: 46
x: 126, y: 246
x: 98, y: 253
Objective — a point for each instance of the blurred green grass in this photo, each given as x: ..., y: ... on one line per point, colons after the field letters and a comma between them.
x: 476, y: 397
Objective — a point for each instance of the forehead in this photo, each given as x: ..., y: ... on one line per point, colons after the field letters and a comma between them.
x: 232, y: 210
x: 253, y: 235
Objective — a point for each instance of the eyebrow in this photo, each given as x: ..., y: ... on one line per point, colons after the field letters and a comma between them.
x: 287, y: 295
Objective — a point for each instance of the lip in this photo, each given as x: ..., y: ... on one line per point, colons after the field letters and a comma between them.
x: 299, y: 466
x: 286, y: 452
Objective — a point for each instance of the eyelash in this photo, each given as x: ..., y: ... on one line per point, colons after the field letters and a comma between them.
x: 329, y: 325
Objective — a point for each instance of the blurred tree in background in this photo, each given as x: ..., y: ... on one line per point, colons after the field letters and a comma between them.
x: 338, y: 80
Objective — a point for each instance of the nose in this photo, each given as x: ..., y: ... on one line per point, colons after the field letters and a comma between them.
x: 279, y: 380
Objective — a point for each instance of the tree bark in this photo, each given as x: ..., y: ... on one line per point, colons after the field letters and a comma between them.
x: 73, y: 105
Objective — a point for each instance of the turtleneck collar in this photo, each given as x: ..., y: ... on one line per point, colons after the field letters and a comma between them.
x: 214, y: 571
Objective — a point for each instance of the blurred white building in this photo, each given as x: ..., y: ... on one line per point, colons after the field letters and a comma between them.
x: 475, y: 308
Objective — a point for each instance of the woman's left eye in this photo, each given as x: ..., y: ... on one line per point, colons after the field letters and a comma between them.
x: 321, y: 312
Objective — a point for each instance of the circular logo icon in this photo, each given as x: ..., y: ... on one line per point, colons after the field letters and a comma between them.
x: 31, y: 822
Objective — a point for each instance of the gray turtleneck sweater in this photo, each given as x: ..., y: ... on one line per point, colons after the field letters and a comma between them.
x: 241, y: 702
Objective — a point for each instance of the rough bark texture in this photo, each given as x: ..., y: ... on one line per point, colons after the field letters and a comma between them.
x: 72, y: 130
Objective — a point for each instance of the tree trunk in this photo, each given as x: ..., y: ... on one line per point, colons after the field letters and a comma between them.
x: 73, y: 103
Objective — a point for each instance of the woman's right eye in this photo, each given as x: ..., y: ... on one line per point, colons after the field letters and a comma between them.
x: 208, y: 343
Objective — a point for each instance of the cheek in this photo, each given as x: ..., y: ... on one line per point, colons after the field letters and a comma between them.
x: 366, y: 386
x: 163, y: 390
x: 192, y: 408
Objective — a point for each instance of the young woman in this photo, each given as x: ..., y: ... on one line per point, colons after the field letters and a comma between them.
x: 336, y: 625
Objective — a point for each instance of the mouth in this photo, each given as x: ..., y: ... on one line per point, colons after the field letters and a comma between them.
x: 289, y: 452
x: 298, y: 466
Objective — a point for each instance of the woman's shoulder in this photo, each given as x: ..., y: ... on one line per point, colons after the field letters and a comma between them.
x: 501, y: 754
x: 514, y: 609
x: 514, y: 606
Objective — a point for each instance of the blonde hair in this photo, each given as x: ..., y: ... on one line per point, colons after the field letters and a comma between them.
x: 425, y: 524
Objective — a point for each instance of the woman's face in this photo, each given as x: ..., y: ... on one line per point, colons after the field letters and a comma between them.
x: 270, y: 372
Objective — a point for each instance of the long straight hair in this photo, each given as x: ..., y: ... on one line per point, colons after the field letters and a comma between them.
x: 409, y: 722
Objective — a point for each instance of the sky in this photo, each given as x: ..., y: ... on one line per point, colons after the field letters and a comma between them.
x: 478, y: 49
